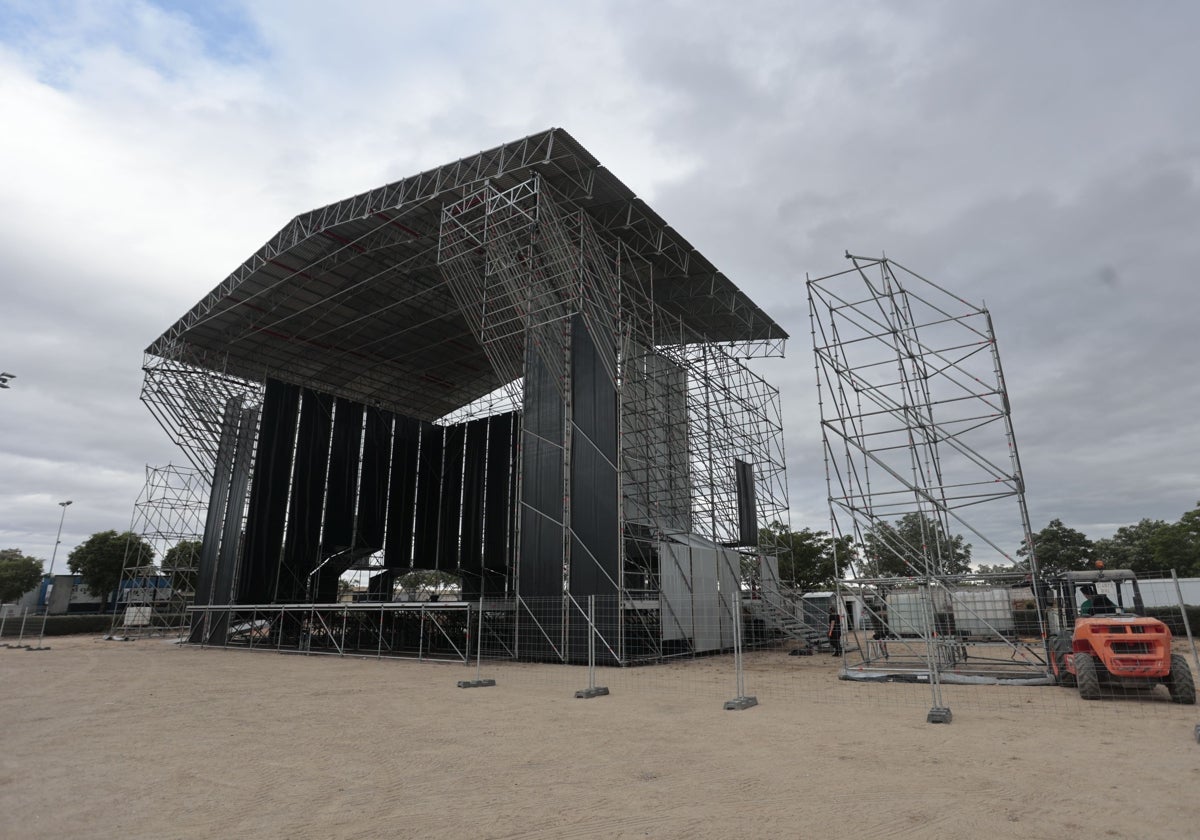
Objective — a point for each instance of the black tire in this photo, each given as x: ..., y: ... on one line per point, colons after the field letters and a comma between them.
x: 1065, y: 677
x: 1180, y: 684
x: 1086, y: 676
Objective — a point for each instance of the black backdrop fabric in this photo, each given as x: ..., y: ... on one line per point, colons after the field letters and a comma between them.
x: 373, y: 489
x: 342, y: 483
x: 303, y: 538
x: 595, y: 525
x: 499, y: 509
x: 595, y: 556
x: 402, y: 495
x: 269, y: 493
x: 431, y: 497
x: 449, y: 514
x: 473, y: 485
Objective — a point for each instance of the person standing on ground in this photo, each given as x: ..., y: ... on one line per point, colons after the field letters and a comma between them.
x: 835, y: 632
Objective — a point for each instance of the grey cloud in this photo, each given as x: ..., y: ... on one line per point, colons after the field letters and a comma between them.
x: 1041, y: 157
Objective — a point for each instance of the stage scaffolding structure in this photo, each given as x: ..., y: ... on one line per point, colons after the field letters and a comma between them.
x: 156, y: 591
x: 917, y: 432
x: 434, y: 297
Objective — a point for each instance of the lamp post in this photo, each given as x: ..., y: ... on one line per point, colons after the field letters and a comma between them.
x: 53, y: 556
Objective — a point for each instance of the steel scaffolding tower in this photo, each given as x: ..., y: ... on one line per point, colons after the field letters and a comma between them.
x: 917, y: 428
x: 169, y: 517
x: 521, y: 262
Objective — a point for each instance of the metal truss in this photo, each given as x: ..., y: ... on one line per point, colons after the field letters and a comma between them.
x: 451, y: 280
x: 169, y: 516
x: 522, y: 260
x: 187, y: 395
x: 552, y: 153
x: 401, y: 630
x: 916, y: 423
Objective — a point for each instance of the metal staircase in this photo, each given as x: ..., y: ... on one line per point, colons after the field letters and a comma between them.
x: 784, y: 614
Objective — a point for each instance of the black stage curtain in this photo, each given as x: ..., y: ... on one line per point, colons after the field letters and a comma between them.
x: 499, y: 505
x: 380, y: 586
x: 541, y: 482
x: 429, y: 498
x: 372, y: 494
x: 470, y: 564
x: 451, y: 509
x: 539, y: 620
x: 397, y: 553
x: 218, y: 502
x: 595, y: 569
x: 595, y: 526
x: 308, y: 495
x: 231, y: 533
x: 341, y: 488
x: 269, y: 493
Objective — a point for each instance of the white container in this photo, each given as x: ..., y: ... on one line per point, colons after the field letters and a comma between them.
x: 983, y: 612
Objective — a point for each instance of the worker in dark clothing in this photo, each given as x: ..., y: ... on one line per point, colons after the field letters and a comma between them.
x: 835, y: 632
x: 1095, y: 603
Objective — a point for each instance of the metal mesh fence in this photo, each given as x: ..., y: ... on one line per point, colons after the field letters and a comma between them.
x: 594, y: 646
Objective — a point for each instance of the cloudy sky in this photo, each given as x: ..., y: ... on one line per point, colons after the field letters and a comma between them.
x: 1041, y: 157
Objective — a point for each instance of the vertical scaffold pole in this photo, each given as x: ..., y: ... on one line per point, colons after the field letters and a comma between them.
x: 939, y: 712
x: 592, y: 690
x: 478, y: 682
x: 379, y: 646
x: 741, y: 701
x: 1187, y: 625
x: 24, y: 618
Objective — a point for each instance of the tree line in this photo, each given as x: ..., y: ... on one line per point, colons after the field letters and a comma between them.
x: 99, y: 561
x: 1151, y: 545
x: 808, y: 559
x: 811, y: 560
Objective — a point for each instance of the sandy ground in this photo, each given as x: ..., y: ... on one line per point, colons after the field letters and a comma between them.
x: 147, y: 740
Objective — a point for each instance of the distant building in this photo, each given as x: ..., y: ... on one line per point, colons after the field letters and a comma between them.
x: 67, y: 594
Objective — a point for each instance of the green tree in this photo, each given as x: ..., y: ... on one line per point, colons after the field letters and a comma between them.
x: 420, y: 581
x: 914, y: 545
x: 1177, y: 546
x: 1058, y: 549
x: 1019, y: 567
x: 185, y: 554
x: 101, y: 558
x: 180, y: 564
x: 18, y: 573
x: 806, y: 557
x: 1132, y: 547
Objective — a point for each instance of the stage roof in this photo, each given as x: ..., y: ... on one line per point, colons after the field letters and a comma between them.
x: 349, y: 298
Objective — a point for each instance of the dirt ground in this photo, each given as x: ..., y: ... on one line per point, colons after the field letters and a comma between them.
x: 147, y: 740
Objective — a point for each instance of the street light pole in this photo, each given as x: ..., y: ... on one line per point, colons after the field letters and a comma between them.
x: 53, y: 557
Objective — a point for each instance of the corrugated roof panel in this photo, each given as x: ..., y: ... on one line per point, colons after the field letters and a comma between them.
x: 349, y: 297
